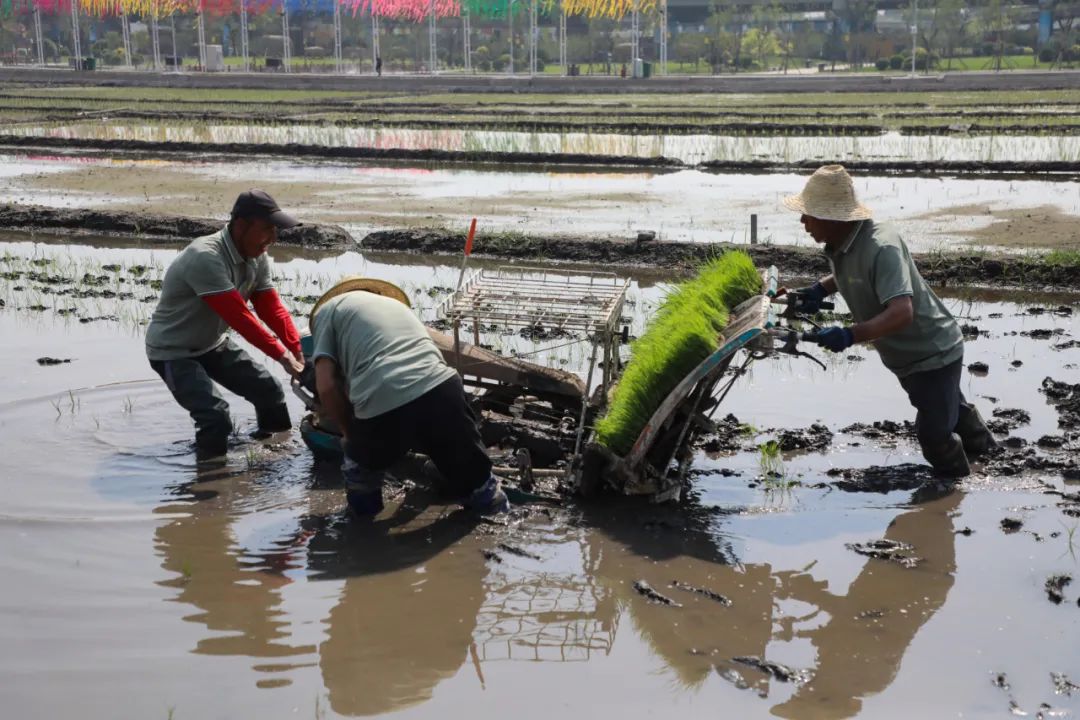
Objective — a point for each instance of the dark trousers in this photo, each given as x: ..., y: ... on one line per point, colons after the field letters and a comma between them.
x: 440, y: 424
x: 191, y: 381
x: 938, y: 402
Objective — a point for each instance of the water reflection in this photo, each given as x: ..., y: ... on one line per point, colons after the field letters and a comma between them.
x: 690, y: 149
x: 426, y: 593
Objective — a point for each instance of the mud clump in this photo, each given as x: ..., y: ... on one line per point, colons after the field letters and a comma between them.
x: 1011, y: 525
x: 646, y: 590
x: 1062, y: 684
x: 1055, y: 587
x: 882, y: 429
x: 884, y: 549
x: 780, y: 672
x: 816, y: 437
x: 1041, y: 333
x: 1015, y: 462
x: 1066, y: 397
x: 704, y: 592
x: 978, y: 368
x: 1011, y: 418
x: 47, y: 361
x: 883, y: 479
x: 727, y: 436
x: 540, y: 332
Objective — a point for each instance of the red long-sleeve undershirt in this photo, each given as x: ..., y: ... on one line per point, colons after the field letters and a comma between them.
x: 234, y: 310
x: 272, y: 311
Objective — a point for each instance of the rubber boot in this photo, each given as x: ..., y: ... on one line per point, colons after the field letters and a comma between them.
x: 271, y: 420
x: 489, y: 498
x: 206, y: 458
x: 977, y: 438
x: 363, y: 488
x: 947, y: 457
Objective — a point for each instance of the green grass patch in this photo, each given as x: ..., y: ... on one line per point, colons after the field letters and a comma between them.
x: 1062, y: 258
x: 684, y: 332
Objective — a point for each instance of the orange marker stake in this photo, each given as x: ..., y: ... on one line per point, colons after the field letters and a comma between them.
x: 472, y: 234
x: 465, y: 257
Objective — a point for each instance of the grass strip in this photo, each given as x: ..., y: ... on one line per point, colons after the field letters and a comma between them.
x: 684, y: 332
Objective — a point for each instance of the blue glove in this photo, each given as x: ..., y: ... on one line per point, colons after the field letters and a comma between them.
x: 837, y: 339
x: 810, y: 298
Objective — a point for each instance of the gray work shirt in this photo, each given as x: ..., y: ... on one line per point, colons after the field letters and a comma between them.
x: 873, y: 267
x: 183, y: 325
x: 384, y: 352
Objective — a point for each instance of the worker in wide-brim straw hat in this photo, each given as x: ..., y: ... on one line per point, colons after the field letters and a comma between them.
x: 206, y: 291
x: 893, y: 308
x: 382, y: 380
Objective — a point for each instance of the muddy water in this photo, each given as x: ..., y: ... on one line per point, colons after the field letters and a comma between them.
x: 689, y: 149
x: 687, y: 205
x: 136, y: 587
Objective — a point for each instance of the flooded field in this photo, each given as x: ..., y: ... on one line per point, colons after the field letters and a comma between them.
x: 690, y: 149
x: 935, y: 212
x: 138, y: 587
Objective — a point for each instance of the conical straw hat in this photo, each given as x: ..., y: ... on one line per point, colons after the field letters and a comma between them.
x: 829, y: 195
x: 356, y: 283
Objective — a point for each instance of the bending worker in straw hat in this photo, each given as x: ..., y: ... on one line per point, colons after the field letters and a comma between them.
x: 382, y: 380
x: 206, y: 290
x: 915, y: 335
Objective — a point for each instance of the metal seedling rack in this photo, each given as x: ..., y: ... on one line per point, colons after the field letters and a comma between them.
x: 564, y: 305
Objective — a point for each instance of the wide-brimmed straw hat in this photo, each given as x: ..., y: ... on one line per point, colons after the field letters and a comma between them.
x: 829, y: 195
x: 355, y: 283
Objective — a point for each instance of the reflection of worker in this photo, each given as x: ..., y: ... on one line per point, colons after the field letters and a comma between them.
x: 860, y: 647
x: 382, y: 380
x: 391, y: 639
x: 206, y: 290
x: 236, y: 590
x: 915, y: 335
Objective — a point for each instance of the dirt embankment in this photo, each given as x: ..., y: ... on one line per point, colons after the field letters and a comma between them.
x: 165, y: 228
x: 942, y: 269
x: 291, y: 150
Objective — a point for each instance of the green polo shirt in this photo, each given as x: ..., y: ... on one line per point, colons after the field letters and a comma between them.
x: 385, y: 353
x: 183, y: 325
x: 873, y: 267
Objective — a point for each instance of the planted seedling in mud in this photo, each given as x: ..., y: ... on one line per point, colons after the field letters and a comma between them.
x: 251, y: 458
x: 129, y: 405
x: 771, y: 463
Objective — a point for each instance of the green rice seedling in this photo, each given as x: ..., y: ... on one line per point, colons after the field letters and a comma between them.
x: 683, y: 333
x: 253, y: 458
x: 771, y: 461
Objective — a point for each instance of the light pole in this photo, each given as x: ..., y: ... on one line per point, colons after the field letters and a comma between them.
x: 914, y: 33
